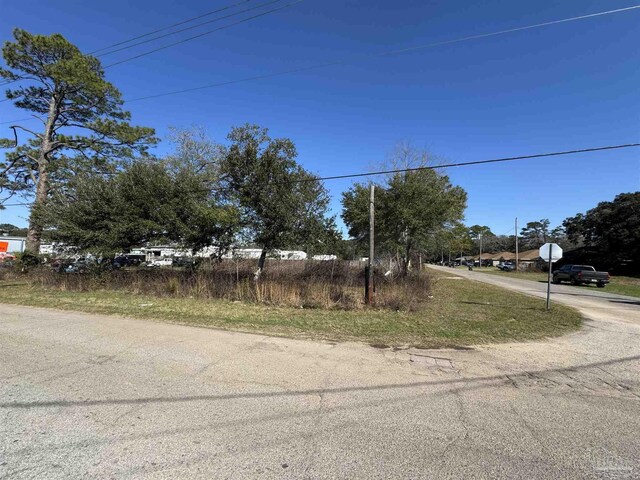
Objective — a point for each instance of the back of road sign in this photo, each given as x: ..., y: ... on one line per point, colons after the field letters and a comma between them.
x: 556, y: 252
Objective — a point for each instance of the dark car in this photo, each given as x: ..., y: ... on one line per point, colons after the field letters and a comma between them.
x: 128, y: 260
x: 580, y: 274
x: 77, y: 267
x: 486, y: 262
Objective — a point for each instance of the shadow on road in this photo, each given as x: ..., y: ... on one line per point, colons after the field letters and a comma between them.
x: 508, y: 378
x: 587, y: 294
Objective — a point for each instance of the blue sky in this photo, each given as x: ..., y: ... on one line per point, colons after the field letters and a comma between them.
x: 560, y: 87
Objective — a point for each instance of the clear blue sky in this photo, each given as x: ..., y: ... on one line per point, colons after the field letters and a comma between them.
x: 560, y: 87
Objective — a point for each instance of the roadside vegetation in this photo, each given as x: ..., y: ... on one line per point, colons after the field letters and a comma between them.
x: 457, y: 313
x: 300, y: 284
x: 619, y: 284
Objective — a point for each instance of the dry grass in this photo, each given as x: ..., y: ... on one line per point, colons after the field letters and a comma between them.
x: 460, y: 313
x: 326, y: 285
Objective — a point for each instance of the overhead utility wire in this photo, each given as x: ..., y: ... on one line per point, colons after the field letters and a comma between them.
x: 464, y: 164
x: 142, y: 42
x: 168, y: 27
x: 179, y: 31
x: 181, y: 41
x: 379, y: 54
x: 383, y: 54
x: 188, y: 39
x: 435, y: 167
x: 18, y: 120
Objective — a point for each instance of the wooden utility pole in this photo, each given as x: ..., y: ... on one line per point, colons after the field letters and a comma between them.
x: 369, y: 291
x: 516, y: 244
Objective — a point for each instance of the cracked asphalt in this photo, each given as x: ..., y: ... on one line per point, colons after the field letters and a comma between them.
x: 90, y: 396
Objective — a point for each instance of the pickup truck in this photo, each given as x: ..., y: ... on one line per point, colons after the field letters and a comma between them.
x: 579, y: 274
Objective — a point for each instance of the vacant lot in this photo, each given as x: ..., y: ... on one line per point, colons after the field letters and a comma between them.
x: 621, y: 285
x: 460, y: 313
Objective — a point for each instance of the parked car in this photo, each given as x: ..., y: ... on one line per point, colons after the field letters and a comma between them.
x: 121, y: 261
x: 507, y: 266
x: 486, y: 262
x: 134, y: 259
x: 185, y: 262
x: 580, y: 274
x: 81, y: 265
x: 128, y: 260
x: 160, y: 262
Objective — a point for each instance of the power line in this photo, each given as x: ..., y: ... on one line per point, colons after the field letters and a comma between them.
x: 384, y: 54
x: 168, y: 27
x: 366, y: 56
x: 435, y: 167
x: 188, y: 39
x: 18, y: 120
x: 182, y: 30
x: 476, y: 162
x: 126, y: 47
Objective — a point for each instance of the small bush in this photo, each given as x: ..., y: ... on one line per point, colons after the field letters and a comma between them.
x: 27, y: 260
x: 307, y: 284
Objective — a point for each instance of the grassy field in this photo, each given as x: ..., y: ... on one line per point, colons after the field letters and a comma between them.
x: 621, y: 285
x: 460, y: 313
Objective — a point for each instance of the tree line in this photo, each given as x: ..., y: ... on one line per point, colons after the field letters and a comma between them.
x: 607, y: 236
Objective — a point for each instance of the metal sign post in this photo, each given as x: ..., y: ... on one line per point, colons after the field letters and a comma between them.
x: 550, y: 252
x: 549, y: 280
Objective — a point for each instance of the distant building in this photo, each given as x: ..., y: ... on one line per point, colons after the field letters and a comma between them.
x: 530, y: 259
x: 156, y: 252
x: 10, y: 244
x: 160, y: 251
x: 244, y: 253
x: 290, y: 255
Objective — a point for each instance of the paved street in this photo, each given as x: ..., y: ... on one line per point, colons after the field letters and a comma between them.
x: 90, y: 396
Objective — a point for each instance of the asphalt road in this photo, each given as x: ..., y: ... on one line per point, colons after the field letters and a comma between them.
x: 89, y: 396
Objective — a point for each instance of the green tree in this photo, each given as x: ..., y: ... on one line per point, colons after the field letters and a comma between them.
x: 535, y: 234
x: 574, y: 228
x: 460, y: 240
x: 83, y: 126
x: 282, y: 204
x: 142, y: 203
x: 478, y: 232
x: 612, y: 229
x: 411, y: 209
